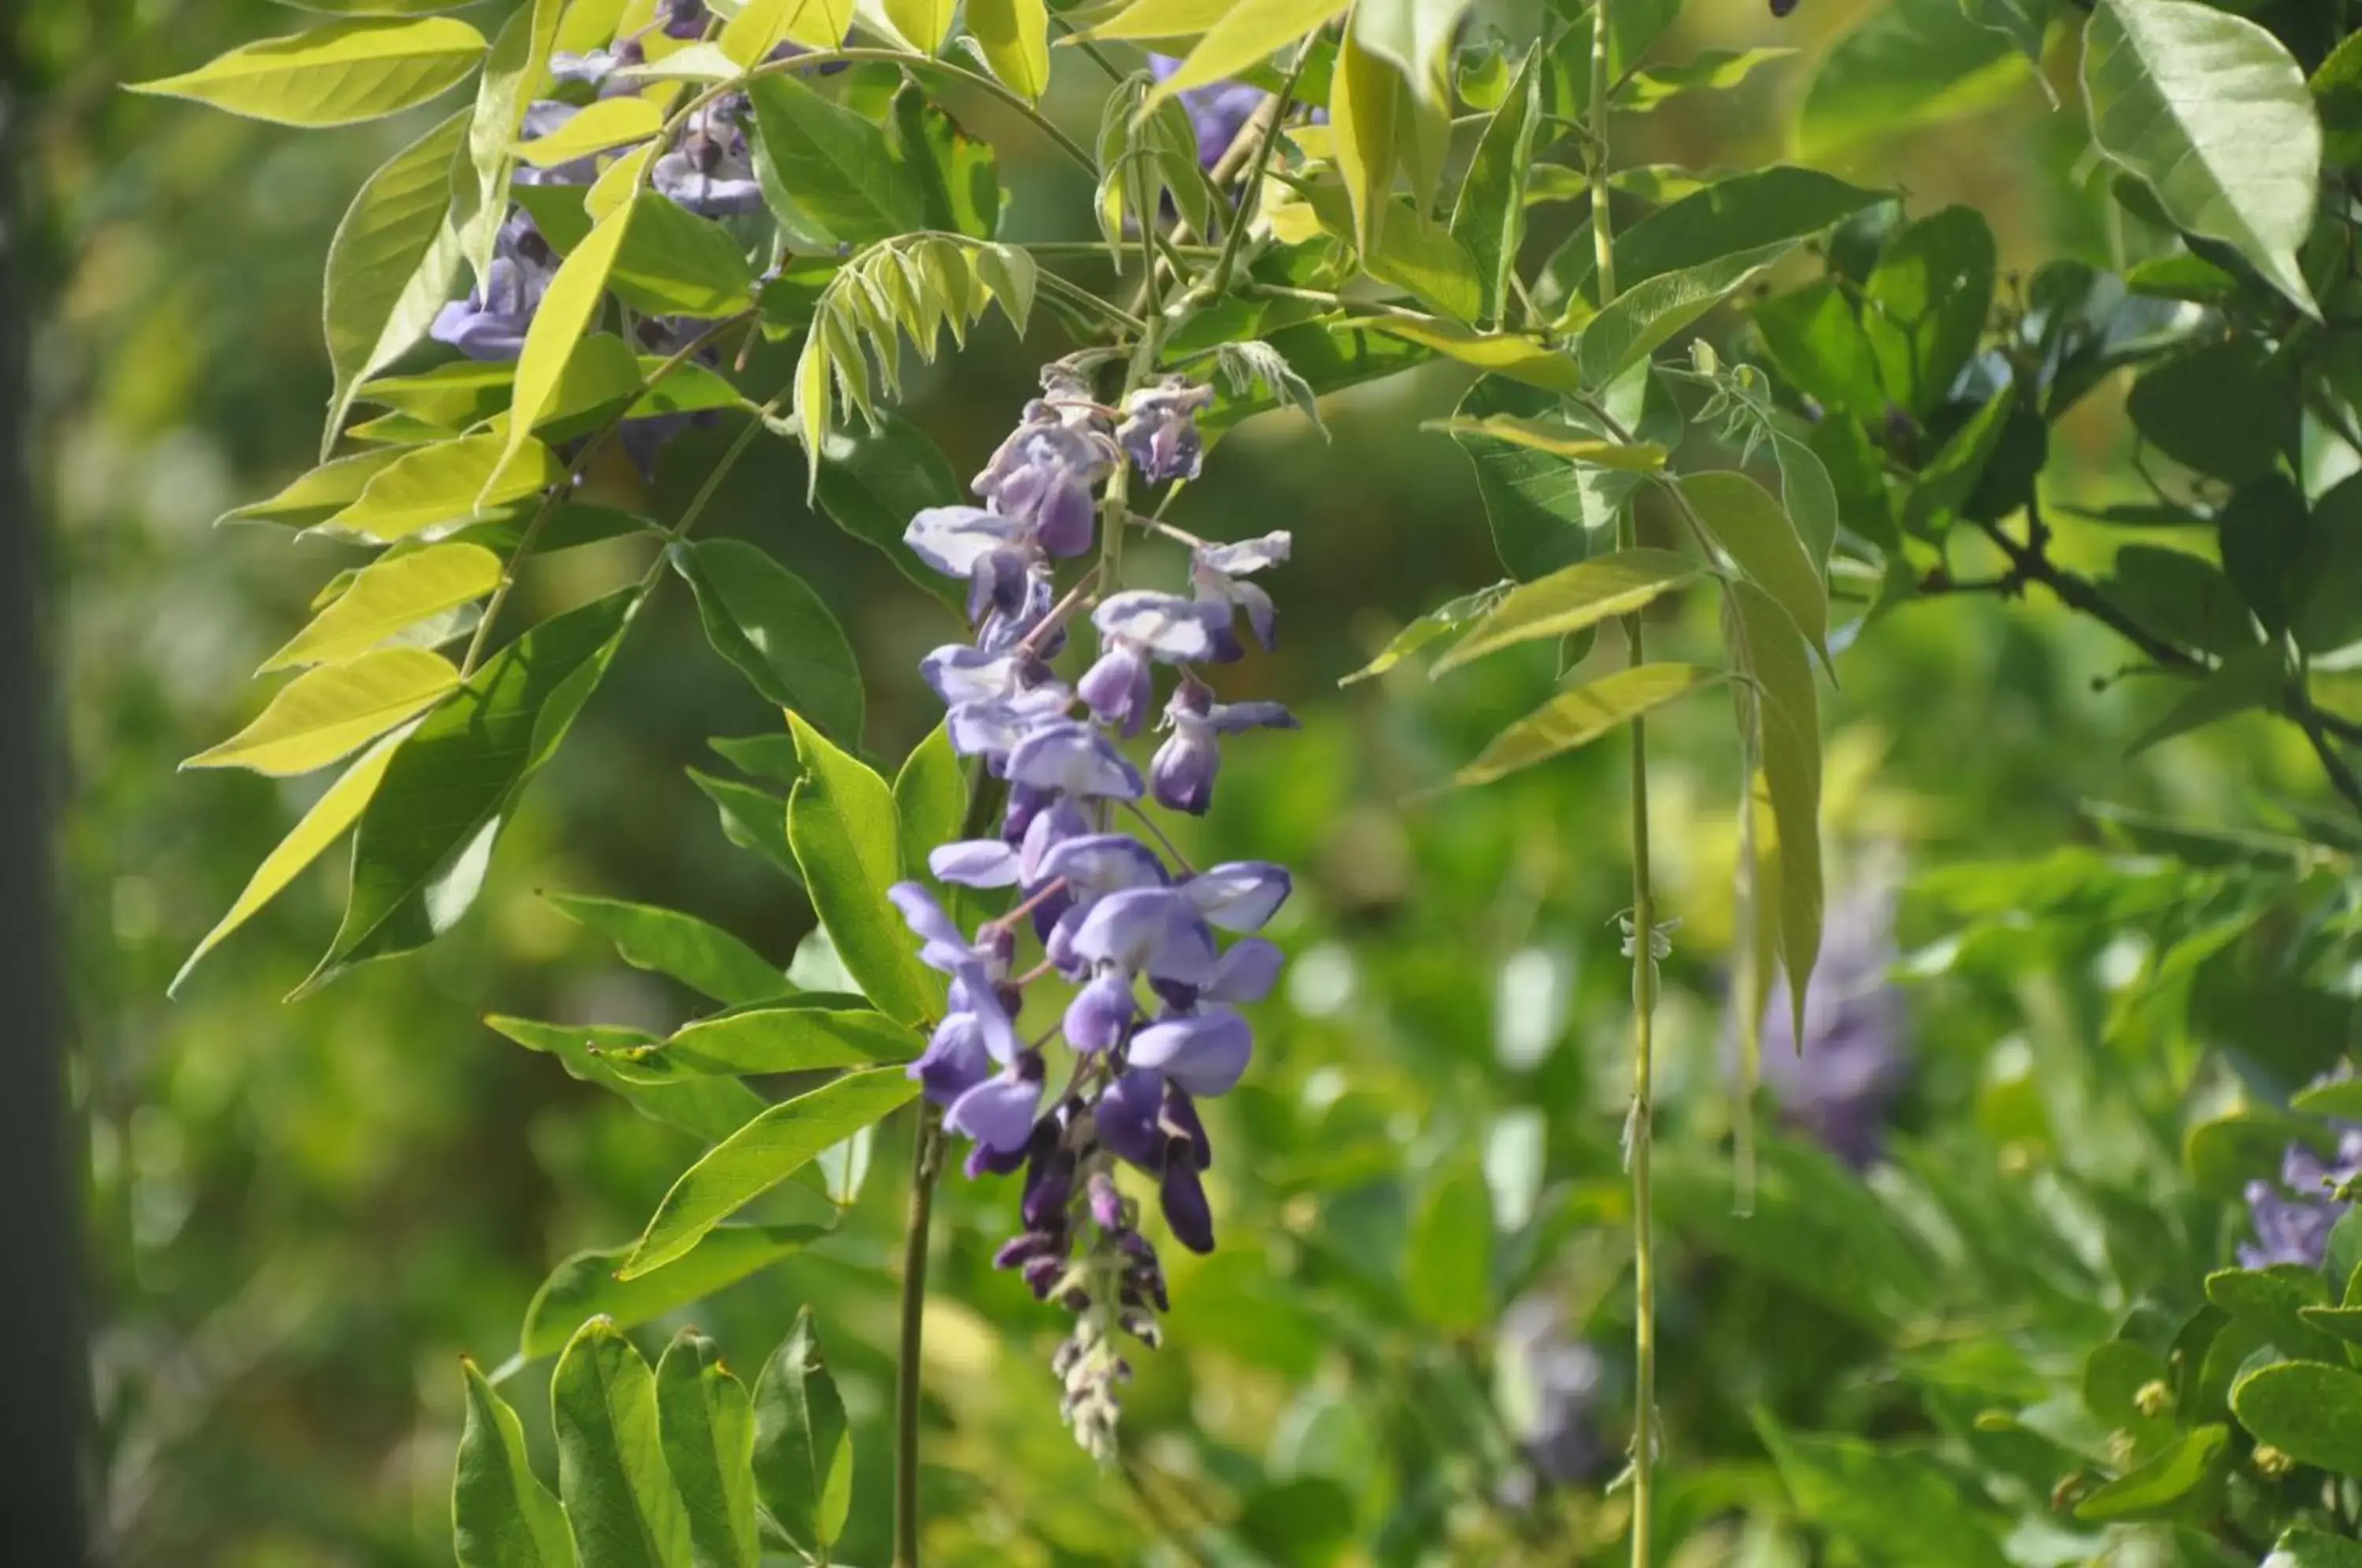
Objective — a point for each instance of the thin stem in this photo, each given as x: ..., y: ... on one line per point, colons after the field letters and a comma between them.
x: 926, y: 1166
x: 1239, y: 220
x: 1641, y: 1128
x: 590, y: 453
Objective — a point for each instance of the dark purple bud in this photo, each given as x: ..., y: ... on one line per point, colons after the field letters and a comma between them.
x: 1181, y: 1115
x: 984, y: 1161
x: 1048, y: 1187
x: 1019, y: 1251
x: 1184, y: 1195
x: 1041, y: 1275
x: 1783, y: 7
x: 683, y: 19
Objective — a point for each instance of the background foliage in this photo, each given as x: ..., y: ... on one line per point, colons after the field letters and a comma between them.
x: 302, y: 1215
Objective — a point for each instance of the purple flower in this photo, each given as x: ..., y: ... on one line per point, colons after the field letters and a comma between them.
x: 683, y: 19
x: 1075, y: 759
x: 1218, y: 111
x: 2293, y: 1217
x: 1214, y: 570
x: 492, y: 322
x: 711, y: 171
x: 1240, y: 896
x: 1164, y: 627
x: 1154, y: 931
x: 1840, y: 1089
x: 1159, y: 432
x: 1181, y: 775
x: 1204, y: 1053
x: 1045, y: 477
x: 999, y: 1113
x: 1100, y: 1013
x: 1119, y: 688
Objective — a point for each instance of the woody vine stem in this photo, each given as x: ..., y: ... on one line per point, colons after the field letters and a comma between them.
x: 1640, y: 1126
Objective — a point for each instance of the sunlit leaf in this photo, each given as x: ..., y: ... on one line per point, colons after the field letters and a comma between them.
x: 924, y: 23
x: 706, y: 1425
x: 2210, y: 110
x: 1015, y: 37
x: 760, y: 1155
x: 1577, y: 717
x: 1368, y: 103
x: 519, y: 58
x: 1438, y: 623
x: 803, y: 1446
x: 334, y: 74
x: 598, y: 127
x: 610, y: 1467
x: 1645, y: 316
x: 1575, y: 597
x: 1711, y: 70
x: 391, y: 264
x: 388, y: 595
x: 697, y: 955
x: 1503, y: 354
x: 448, y: 484
x: 329, y: 712
x: 1241, y: 37
x: 502, y: 1516
x: 1745, y: 520
x: 790, y: 1036
x: 1769, y: 650
x: 1569, y: 441
x: 569, y: 307
x: 1489, y: 217
x: 843, y: 826
x: 930, y: 799
x: 761, y: 25
x: 1911, y: 62
x: 823, y: 162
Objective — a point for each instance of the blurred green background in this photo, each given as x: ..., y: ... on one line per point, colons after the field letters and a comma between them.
x: 300, y: 1216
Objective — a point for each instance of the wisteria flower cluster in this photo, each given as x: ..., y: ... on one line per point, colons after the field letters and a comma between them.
x: 1838, y: 1085
x: 1152, y: 1027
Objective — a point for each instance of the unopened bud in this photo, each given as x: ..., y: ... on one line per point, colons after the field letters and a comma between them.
x: 2270, y: 1463
x: 2154, y: 1400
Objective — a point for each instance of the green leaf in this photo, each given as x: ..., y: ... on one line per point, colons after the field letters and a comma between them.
x: 710, y: 1108
x: 426, y: 838
x: 391, y: 264
x: 598, y: 127
x: 705, y: 957
x: 803, y: 1447
x: 519, y: 60
x: 1710, y: 71
x: 706, y: 1425
x: 1572, y: 442
x: 1440, y: 622
x: 2160, y: 1481
x: 1817, y: 342
x: 1891, y: 1505
x: 2219, y: 409
x: 1912, y: 62
x: 1368, y: 102
x: 1424, y: 259
x: 1236, y: 38
x: 2249, y: 680
x: 610, y: 1467
x: 1536, y: 505
x: 1951, y: 477
x: 930, y: 799
x: 761, y: 25
x: 2302, y: 1548
x: 569, y: 308
x: 1489, y: 217
x: 1416, y: 36
x: 585, y: 1285
x: 1449, y: 1269
x: 318, y: 494
x: 1325, y: 357
x: 2210, y: 111
x: 1578, y: 717
x: 1572, y: 598
x: 673, y: 263
x: 431, y: 491
x: 2309, y: 1410
x: 924, y: 24
x: 2182, y: 597
x: 1015, y: 37
x: 337, y: 809
x: 1754, y: 528
x: 752, y: 819
x: 394, y: 592
x: 502, y: 1516
x: 2338, y: 98
x: 760, y: 1155
x: 1643, y: 318
x: 1503, y: 354
x: 1770, y: 649
x: 1745, y: 211
x: 791, y: 1037
x: 2339, y: 1097
x: 766, y: 757
x: 2021, y: 22
x: 833, y: 167
x: 842, y: 824
x: 333, y: 75
x: 1924, y: 307
x: 2274, y: 1297
x: 329, y: 712
x: 761, y: 617
x: 958, y: 175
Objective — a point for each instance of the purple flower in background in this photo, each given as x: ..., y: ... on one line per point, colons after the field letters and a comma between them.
x: 491, y: 322
x: 1840, y: 1087
x: 541, y: 119
x: 711, y: 172
x: 2294, y: 1216
x: 1151, y: 1021
x: 1552, y: 1390
x: 1218, y: 111
x: 683, y: 19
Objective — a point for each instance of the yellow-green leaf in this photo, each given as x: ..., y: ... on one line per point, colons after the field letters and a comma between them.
x: 336, y: 74
x: 388, y: 595
x: 1519, y: 359
x: 1152, y: 19
x: 760, y: 1155
x: 1015, y: 37
x: 1576, y: 718
x: 447, y: 482
x: 1560, y: 440
x: 924, y: 24
x: 609, y: 122
x: 324, y: 713
x: 846, y: 837
x: 1754, y: 528
x: 391, y: 264
x: 1572, y: 598
x: 1242, y: 37
x: 1416, y: 36
x: 330, y: 815
x: 318, y: 494
x: 569, y: 309
x: 761, y: 25
x: 1366, y: 107
x: 1768, y: 648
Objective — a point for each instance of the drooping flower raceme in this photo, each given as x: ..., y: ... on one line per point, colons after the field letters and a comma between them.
x: 1839, y: 1082
x: 1158, y: 955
